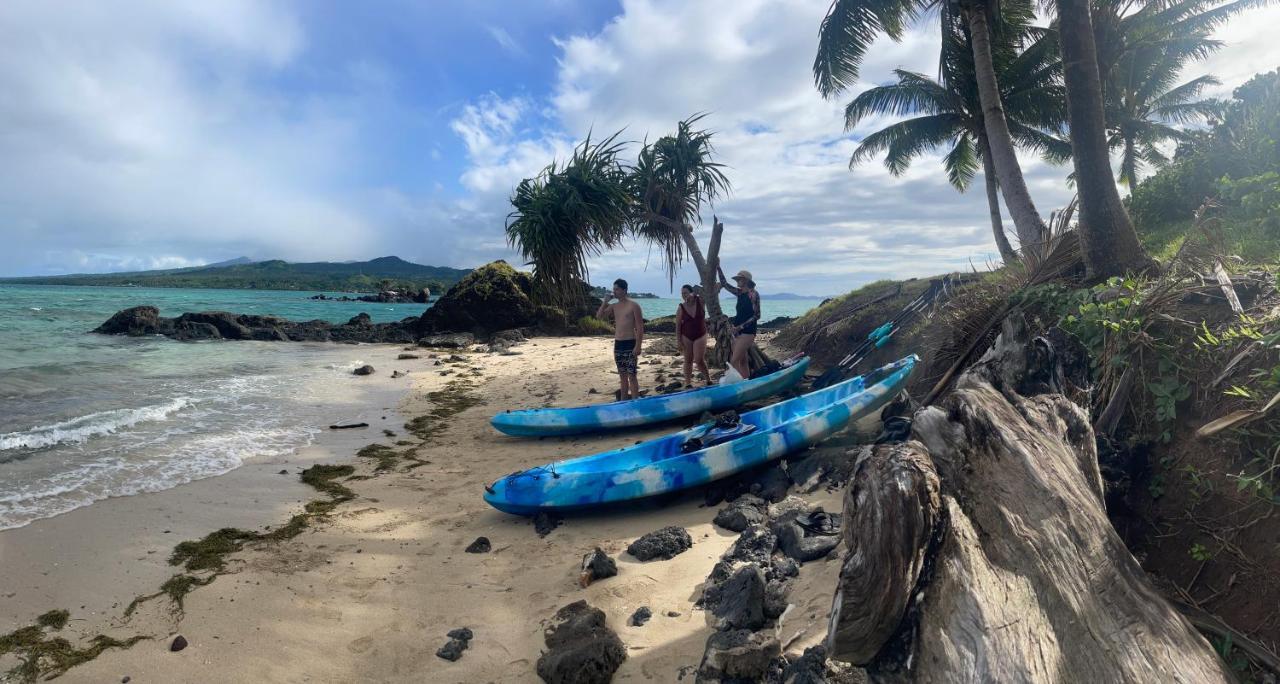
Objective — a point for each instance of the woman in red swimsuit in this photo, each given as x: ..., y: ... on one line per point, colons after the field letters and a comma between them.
x: 691, y: 323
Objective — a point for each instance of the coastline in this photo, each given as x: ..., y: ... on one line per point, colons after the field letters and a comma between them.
x: 369, y: 592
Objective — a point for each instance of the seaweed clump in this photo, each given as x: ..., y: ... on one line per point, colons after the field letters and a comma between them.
x: 42, y: 655
x: 448, y: 402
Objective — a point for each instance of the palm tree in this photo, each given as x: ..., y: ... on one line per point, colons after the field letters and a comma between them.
x: 1139, y: 120
x: 568, y: 213
x: 951, y: 115
x: 852, y: 25
x: 1141, y: 52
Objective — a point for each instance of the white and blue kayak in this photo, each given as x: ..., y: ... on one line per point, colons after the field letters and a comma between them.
x: 701, y: 454
x: 544, y: 422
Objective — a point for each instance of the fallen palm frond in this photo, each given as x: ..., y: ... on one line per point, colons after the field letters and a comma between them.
x: 972, y: 320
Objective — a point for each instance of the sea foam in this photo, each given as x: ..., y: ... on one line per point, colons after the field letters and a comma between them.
x: 87, y: 426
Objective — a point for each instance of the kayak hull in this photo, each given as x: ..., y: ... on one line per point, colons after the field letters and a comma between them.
x: 658, y: 466
x: 656, y: 409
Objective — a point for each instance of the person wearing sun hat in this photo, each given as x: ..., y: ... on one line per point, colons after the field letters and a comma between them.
x: 744, y: 320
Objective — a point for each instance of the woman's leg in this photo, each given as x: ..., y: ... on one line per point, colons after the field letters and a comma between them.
x: 741, y: 344
x: 687, y: 347
x: 700, y: 358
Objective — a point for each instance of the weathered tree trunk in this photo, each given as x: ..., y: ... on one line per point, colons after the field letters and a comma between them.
x: 1107, y: 239
x: 717, y: 323
x: 1007, y: 254
x: 1012, y: 572
x: 1030, y: 227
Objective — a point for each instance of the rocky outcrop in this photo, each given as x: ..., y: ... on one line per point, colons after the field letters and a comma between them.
x: 491, y: 298
x: 385, y: 297
x: 221, y: 325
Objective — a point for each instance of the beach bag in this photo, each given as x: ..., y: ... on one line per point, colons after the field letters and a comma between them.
x: 731, y: 376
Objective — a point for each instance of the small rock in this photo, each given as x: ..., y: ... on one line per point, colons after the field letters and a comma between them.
x: 745, y: 511
x: 406, y: 357
x: 126, y: 679
x: 640, y: 617
x: 666, y: 543
x: 363, y: 370
x: 596, y: 565
x: 593, y: 391
x: 739, y: 655
x: 179, y: 643
x: 581, y: 649
x: 283, y: 472
x: 462, y: 633
x: 673, y: 613
x: 775, y: 598
x: 772, y: 484
x: 544, y: 523
x: 480, y: 545
x: 810, y: 668
x: 452, y: 650
x: 398, y: 374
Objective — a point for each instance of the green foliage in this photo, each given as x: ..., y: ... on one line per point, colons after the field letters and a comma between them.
x: 590, y: 325
x: 1199, y: 552
x: 1235, y: 162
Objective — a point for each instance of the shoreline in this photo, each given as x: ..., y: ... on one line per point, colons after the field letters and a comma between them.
x: 369, y: 592
x: 60, y: 562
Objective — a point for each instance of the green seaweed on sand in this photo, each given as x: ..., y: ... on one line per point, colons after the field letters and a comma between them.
x: 385, y: 456
x: 448, y: 402
x: 43, y: 656
x: 210, y: 553
x: 54, y: 619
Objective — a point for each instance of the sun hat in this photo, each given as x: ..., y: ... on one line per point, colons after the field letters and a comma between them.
x: 743, y: 275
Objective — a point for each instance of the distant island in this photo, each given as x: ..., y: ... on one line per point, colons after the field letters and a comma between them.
x: 375, y: 275
x: 599, y: 292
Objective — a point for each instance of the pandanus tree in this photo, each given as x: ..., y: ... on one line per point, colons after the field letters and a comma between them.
x: 948, y: 114
x: 852, y: 25
x: 569, y: 213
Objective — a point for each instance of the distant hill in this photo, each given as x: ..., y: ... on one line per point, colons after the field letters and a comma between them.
x: 244, y: 273
x: 777, y: 296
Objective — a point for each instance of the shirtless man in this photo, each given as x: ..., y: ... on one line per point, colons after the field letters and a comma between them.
x: 628, y: 323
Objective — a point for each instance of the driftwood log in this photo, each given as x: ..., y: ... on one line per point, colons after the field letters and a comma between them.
x: 980, y: 550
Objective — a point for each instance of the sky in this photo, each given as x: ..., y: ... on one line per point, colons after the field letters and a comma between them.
x: 144, y: 134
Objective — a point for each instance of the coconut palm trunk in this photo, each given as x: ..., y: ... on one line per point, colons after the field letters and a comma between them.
x: 1007, y: 253
x: 1108, y: 242
x: 1030, y: 228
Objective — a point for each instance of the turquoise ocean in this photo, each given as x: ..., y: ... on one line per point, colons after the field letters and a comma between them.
x: 85, y: 417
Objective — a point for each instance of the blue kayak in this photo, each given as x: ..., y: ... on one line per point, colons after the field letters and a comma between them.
x: 656, y: 409
x: 667, y: 464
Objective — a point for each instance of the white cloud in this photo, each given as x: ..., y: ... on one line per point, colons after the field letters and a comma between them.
x: 505, y: 40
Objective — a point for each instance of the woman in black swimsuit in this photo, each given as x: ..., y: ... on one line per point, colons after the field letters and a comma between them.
x: 745, y: 318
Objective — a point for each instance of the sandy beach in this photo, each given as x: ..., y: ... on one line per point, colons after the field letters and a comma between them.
x: 369, y: 592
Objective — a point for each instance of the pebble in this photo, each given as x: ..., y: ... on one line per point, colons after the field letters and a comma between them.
x: 179, y: 643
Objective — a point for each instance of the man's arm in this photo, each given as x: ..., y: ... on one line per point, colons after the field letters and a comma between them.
x: 638, y: 322
x: 605, y: 308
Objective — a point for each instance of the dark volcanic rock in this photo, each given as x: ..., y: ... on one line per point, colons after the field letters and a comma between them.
x: 544, y: 523
x: 738, y: 656
x: 775, y: 323
x: 220, y: 325
x: 640, y: 617
x: 135, y: 322
x: 666, y: 543
x: 743, y: 512
x: 775, y: 598
x: 738, y: 603
x: 459, y: 641
x: 772, y: 484
x: 480, y: 545
x: 491, y: 298
x: 597, y: 565
x: 810, y: 668
x: 832, y: 465
x: 448, y: 340
x: 179, y: 643
x: 363, y: 370
x: 581, y: 649
x: 406, y: 357
x: 754, y: 545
